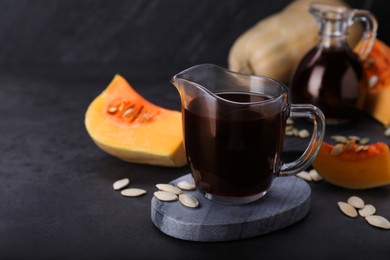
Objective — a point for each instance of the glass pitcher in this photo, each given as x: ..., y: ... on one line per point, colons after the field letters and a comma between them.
x: 330, y: 75
x: 234, y: 130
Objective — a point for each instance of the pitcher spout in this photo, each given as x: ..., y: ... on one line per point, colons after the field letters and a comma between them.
x: 194, y: 82
x: 206, y: 80
x: 181, y: 86
x: 175, y: 82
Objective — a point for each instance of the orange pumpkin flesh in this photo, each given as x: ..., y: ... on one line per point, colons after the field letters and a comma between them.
x: 124, y: 124
x: 355, y: 170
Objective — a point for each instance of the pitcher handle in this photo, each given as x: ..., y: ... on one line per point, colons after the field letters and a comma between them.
x: 370, y: 29
x: 318, y: 118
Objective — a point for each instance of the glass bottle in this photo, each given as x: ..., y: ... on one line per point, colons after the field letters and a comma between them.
x: 329, y: 75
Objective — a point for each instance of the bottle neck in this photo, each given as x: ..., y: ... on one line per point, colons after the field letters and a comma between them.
x: 333, y: 34
x: 327, y: 41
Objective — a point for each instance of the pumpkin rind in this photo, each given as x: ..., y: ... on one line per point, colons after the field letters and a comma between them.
x: 156, y: 141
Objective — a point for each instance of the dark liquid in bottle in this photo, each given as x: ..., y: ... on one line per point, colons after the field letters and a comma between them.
x: 330, y: 79
x: 233, y: 150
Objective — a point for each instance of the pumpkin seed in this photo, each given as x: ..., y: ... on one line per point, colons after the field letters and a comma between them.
x: 185, y: 185
x: 347, y: 209
x: 188, y: 200
x: 304, y: 175
x: 378, y: 221
x: 387, y: 132
x: 337, y: 149
x: 314, y: 175
x: 350, y: 144
x: 373, y: 81
x: 289, y: 121
x: 120, y: 184
x: 303, y: 133
x: 169, y: 188
x: 295, y: 131
x: 121, y: 106
x: 165, y: 196
x: 359, y: 148
x: 356, y: 202
x: 112, y: 110
x: 128, y: 112
x: 354, y: 137
x: 133, y: 192
x: 364, y: 140
x: 367, y: 210
x: 289, y: 132
x: 339, y: 139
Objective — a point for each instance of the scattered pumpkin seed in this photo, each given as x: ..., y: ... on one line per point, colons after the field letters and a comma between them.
x: 188, y: 200
x: 295, y: 131
x: 378, y: 221
x: 345, y: 140
x: 169, y: 188
x: 364, y: 140
x: 303, y: 133
x: 339, y: 139
x: 314, y: 175
x: 367, y: 210
x: 337, y: 149
x: 387, y: 132
x: 120, y: 184
x: 289, y: 121
x: 133, y: 192
x: 165, y: 196
x: 289, y: 132
x: 185, y: 185
x: 354, y: 137
x: 304, y: 175
x: 347, y: 209
x: 356, y: 202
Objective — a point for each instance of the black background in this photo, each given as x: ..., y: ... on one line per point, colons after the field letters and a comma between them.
x: 56, y: 196
x: 136, y: 32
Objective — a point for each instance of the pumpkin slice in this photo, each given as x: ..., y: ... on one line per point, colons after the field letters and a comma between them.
x: 376, y: 82
x: 355, y: 167
x: 124, y: 124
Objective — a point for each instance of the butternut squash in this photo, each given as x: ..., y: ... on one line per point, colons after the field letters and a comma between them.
x: 275, y: 45
x: 124, y: 124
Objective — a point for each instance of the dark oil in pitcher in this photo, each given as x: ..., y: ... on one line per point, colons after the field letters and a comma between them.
x: 233, y: 150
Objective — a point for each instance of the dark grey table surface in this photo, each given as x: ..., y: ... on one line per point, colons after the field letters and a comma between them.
x: 56, y: 196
